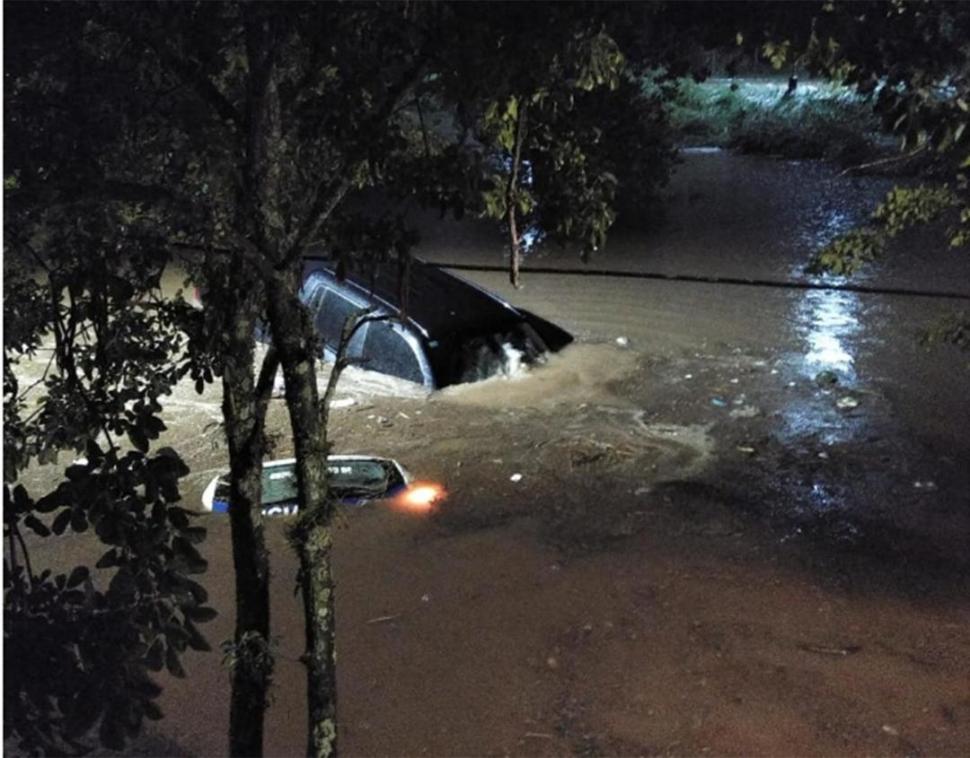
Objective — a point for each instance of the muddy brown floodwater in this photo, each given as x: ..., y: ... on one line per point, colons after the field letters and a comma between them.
x: 707, y: 551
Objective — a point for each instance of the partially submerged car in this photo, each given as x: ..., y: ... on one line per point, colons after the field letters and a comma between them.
x: 452, y: 330
x: 354, y: 479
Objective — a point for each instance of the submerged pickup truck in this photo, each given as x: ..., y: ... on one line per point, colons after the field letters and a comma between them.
x: 452, y: 331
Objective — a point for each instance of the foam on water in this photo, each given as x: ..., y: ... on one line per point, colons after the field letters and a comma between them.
x: 513, y: 365
x: 577, y: 374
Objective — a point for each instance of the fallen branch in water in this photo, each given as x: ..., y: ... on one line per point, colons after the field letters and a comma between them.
x: 383, y: 619
x: 882, y: 161
x: 823, y: 650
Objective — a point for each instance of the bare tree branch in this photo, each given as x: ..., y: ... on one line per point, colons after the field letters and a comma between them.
x: 253, y: 254
x: 264, y: 383
x: 15, y: 530
x: 882, y: 162
x: 328, y: 194
x: 424, y: 128
x: 194, y: 76
x: 351, y: 325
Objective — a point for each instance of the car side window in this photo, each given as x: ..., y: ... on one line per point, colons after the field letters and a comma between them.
x: 313, y: 302
x: 388, y: 352
x: 331, y: 315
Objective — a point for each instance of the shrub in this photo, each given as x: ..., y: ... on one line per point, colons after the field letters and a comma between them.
x: 755, y: 116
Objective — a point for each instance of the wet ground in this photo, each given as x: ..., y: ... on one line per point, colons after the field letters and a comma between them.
x: 743, y: 528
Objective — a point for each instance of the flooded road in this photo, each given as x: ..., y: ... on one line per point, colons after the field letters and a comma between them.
x: 871, y: 424
x: 742, y: 529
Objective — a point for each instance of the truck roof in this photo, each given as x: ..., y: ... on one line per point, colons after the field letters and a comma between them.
x: 439, y: 304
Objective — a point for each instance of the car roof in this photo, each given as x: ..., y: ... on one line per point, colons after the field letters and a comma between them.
x: 440, y: 304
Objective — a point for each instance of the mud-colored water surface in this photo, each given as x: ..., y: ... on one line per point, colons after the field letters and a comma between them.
x: 708, y: 549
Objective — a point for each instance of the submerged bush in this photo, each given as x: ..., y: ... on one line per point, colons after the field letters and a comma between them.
x: 951, y: 329
x: 703, y: 114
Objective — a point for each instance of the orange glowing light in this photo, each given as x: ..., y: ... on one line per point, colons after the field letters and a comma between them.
x: 419, y: 497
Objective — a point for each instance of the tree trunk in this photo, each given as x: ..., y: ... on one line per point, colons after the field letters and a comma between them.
x: 311, y: 537
x: 514, y: 249
x: 320, y: 657
x: 511, y: 197
x: 251, y: 662
x: 244, y: 404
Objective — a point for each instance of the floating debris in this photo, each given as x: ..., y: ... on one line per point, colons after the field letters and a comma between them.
x: 383, y: 619
x: 847, y: 403
x: 719, y: 402
x: 623, y: 341
x: 515, y: 478
x: 748, y: 411
x: 826, y: 650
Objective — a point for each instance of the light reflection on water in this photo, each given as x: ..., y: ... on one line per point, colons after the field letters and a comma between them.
x: 829, y: 323
x: 823, y: 224
x: 822, y: 499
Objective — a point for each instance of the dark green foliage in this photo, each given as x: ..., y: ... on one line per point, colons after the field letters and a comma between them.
x: 608, y: 155
x: 903, y: 208
x: 838, y: 129
x: 78, y: 652
x: 756, y: 117
x: 701, y: 113
x: 910, y: 56
x: 911, y: 59
x: 848, y: 253
x: 82, y: 266
x: 547, y: 133
x: 80, y: 646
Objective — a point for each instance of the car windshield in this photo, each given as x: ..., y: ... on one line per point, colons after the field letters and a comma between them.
x: 348, y: 476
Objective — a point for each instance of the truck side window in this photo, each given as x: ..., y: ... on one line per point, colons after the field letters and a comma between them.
x: 313, y: 302
x: 333, y: 312
x: 388, y: 352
